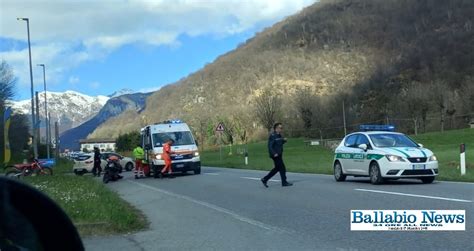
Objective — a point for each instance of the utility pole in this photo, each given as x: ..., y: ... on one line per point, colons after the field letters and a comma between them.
x: 46, y: 112
x: 38, y: 121
x: 56, y: 138
x: 49, y: 130
x: 33, y: 122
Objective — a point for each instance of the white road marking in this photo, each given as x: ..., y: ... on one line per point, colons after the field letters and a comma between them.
x: 215, y: 174
x: 413, y: 195
x: 216, y: 208
x: 252, y: 178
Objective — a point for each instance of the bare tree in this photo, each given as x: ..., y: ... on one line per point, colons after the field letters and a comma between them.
x: 7, y: 84
x: 439, y: 97
x: 267, y: 105
x: 416, y: 104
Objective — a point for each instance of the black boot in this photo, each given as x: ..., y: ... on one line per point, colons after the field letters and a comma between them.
x: 264, y: 182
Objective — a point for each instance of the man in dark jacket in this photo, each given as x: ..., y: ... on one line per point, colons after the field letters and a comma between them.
x: 97, y: 169
x: 275, y: 149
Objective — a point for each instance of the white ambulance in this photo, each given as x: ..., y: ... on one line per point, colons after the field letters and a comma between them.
x: 186, y: 157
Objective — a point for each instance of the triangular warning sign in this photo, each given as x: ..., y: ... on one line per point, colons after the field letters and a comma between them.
x: 220, y: 127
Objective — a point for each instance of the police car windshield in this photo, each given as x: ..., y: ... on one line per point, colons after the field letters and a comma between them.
x: 180, y: 138
x: 392, y: 140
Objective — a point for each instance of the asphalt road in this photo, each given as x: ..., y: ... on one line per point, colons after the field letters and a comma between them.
x: 229, y: 209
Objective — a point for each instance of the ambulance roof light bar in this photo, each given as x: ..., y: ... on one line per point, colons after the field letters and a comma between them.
x: 173, y: 121
x: 367, y: 128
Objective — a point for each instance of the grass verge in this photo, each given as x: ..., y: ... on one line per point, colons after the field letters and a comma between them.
x: 93, y: 208
x: 300, y: 157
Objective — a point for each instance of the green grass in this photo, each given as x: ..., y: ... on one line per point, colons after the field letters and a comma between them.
x: 299, y: 157
x: 93, y: 208
x: 446, y: 147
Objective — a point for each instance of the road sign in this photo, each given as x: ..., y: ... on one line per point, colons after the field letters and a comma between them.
x: 220, y: 127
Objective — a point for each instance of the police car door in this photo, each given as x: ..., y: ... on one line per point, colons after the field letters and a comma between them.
x: 360, y: 156
x: 346, y: 152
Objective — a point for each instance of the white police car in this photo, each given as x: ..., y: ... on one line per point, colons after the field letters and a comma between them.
x: 380, y: 153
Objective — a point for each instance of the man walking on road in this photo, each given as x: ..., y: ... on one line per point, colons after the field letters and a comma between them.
x: 275, y: 149
x: 139, y: 155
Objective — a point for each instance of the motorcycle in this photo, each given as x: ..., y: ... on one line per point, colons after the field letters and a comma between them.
x: 38, y: 167
x: 111, y: 171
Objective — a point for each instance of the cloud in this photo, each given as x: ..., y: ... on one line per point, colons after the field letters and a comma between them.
x: 65, y: 34
x: 73, y: 80
x: 94, y: 85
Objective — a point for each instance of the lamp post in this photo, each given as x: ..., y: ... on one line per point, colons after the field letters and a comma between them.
x: 33, y: 120
x: 46, y: 111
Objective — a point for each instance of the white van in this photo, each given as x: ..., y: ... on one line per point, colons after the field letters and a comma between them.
x: 186, y: 157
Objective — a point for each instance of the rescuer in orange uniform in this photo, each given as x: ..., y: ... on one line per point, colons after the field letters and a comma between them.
x: 167, y: 158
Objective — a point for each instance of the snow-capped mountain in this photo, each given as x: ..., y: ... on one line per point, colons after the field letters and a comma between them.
x: 69, y: 108
x: 121, y: 92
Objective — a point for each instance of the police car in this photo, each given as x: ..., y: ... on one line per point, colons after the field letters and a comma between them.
x: 380, y: 153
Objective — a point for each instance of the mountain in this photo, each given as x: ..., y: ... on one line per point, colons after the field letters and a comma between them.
x: 114, y: 106
x: 405, y: 59
x: 69, y: 108
x: 121, y: 92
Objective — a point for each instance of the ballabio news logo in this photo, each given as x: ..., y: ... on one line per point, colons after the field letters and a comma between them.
x: 408, y: 220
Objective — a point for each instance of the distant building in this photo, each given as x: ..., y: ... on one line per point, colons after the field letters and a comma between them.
x: 87, y: 145
x: 472, y: 124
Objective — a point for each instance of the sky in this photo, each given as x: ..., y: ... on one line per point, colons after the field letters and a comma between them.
x: 98, y: 47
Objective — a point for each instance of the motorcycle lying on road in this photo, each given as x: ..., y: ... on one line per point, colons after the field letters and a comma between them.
x: 37, y: 167
x: 112, y: 170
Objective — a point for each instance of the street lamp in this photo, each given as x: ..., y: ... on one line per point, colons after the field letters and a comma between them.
x: 46, y: 109
x: 33, y: 120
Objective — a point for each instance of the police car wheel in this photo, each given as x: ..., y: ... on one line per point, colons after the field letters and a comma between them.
x: 427, y: 180
x: 375, y: 176
x: 129, y: 166
x: 338, y: 174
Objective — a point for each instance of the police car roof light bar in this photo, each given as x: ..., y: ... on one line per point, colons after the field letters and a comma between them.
x: 389, y: 128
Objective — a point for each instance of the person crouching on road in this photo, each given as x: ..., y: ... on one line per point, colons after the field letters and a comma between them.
x: 139, y: 155
x: 97, y: 169
x: 275, y: 149
x: 167, y: 158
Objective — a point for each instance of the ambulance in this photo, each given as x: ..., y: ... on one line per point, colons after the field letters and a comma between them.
x: 186, y: 157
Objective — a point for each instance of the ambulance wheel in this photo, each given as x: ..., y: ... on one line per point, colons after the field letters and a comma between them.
x: 129, y: 166
x: 338, y: 174
x: 374, y: 173
x: 156, y: 172
x: 427, y: 180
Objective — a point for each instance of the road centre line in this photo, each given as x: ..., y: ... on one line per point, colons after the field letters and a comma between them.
x: 252, y: 178
x: 412, y: 195
x: 216, y: 208
x: 215, y: 174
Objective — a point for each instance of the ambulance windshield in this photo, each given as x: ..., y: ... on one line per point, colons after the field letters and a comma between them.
x: 180, y: 138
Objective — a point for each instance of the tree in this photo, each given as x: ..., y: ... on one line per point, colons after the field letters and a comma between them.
x: 7, y: 84
x: 267, y: 105
x: 416, y: 104
x: 18, y: 137
x: 128, y: 141
x: 439, y: 97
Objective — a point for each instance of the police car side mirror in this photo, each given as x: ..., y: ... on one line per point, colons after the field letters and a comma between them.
x: 420, y: 145
x: 147, y: 146
x: 363, y: 147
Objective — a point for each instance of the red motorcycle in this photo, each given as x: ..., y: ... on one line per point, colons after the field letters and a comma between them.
x: 29, y: 169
